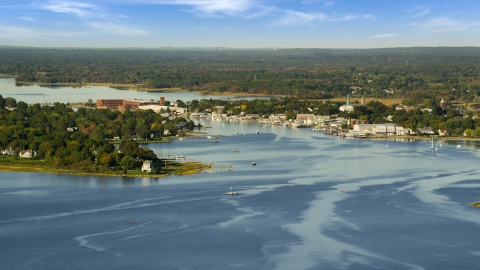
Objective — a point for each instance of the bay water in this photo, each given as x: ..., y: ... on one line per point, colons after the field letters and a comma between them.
x: 313, y: 201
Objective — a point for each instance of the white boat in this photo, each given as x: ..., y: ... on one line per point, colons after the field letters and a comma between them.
x: 431, y: 147
x: 231, y: 192
x: 254, y: 163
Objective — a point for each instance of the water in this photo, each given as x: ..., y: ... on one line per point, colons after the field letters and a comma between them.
x: 33, y: 93
x: 402, y: 207
x: 311, y: 202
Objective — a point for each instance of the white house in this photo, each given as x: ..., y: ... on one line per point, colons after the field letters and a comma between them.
x: 147, y: 166
x: 8, y: 152
x: 27, y: 154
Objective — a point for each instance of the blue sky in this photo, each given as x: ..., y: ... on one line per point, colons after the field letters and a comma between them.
x: 240, y: 23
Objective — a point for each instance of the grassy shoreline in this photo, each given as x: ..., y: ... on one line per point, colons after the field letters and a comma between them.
x: 187, y: 168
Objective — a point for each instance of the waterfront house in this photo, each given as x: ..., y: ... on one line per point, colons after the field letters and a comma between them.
x: 426, y: 130
x: 442, y: 132
x: 147, y: 166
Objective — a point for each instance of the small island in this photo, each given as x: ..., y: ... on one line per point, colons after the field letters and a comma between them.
x: 58, y: 139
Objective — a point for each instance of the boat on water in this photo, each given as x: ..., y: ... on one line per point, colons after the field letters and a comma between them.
x: 236, y: 150
x: 431, y: 147
x: 231, y: 192
x: 254, y: 163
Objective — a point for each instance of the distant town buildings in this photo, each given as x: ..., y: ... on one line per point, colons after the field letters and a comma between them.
x: 123, y: 104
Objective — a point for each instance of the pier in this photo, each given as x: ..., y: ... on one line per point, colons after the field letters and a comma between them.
x: 214, y: 168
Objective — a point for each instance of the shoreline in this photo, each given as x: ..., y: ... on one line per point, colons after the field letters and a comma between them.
x: 194, y: 168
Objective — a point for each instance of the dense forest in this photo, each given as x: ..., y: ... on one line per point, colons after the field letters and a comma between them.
x: 64, y: 138
x: 406, y: 73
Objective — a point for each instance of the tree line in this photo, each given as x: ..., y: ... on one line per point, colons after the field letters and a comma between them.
x: 305, y: 73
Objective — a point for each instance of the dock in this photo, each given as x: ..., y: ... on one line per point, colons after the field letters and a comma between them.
x: 214, y: 168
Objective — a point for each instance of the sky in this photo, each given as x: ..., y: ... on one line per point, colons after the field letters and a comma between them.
x: 240, y: 23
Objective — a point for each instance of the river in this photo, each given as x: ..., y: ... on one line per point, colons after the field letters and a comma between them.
x: 313, y: 201
x: 34, y: 93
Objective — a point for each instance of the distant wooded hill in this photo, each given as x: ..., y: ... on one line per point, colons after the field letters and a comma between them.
x: 306, y: 73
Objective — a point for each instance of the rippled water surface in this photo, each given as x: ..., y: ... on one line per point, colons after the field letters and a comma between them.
x: 311, y: 202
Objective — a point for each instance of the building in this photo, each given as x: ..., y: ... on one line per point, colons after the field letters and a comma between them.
x: 442, y: 104
x: 27, y: 154
x: 159, y: 108
x: 147, y: 166
x: 376, y: 129
x: 347, y: 107
x: 123, y: 104
x: 426, y: 130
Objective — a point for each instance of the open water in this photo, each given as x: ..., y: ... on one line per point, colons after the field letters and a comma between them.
x: 312, y: 202
x: 402, y: 207
x: 34, y: 93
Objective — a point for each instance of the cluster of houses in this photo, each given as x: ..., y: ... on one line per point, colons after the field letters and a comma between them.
x: 22, y: 154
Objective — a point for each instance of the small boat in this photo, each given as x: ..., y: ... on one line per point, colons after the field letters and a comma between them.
x: 231, y: 192
x: 431, y: 147
x: 256, y: 132
x: 236, y: 150
x: 253, y: 163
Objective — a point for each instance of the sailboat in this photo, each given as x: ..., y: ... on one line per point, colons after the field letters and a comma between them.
x: 431, y: 147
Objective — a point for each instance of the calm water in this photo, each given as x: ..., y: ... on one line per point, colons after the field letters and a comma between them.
x: 40, y: 94
x: 403, y: 207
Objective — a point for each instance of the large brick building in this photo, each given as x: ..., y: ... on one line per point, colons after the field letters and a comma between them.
x: 123, y: 104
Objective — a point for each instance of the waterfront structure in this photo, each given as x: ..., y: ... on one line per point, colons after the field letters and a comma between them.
x: 159, y: 108
x: 147, y: 166
x: 377, y: 129
x: 123, y: 104
x: 426, y: 130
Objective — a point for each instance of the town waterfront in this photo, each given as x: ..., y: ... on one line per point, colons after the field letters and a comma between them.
x: 313, y: 201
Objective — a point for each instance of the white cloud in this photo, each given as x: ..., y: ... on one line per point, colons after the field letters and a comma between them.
x: 323, y: 2
x: 79, y: 9
x: 445, y: 24
x: 23, y: 33
x: 26, y: 18
x: 118, y: 29
x: 384, y: 36
x: 423, y: 12
x: 213, y: 8
x: 294, y: 18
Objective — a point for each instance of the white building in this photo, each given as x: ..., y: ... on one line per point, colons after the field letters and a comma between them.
x: 147, y: 166
x: 363, y: 128
x: 380, y: 129
x: 385, y: 129
x: 27, y: 154
x: 159, y: 108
